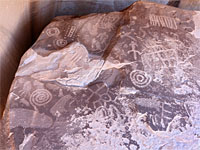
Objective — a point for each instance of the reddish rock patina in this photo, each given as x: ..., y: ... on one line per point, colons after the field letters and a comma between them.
x: 124, y: 80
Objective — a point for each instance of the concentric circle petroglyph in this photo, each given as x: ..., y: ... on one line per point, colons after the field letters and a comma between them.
x: 61, y: 42
x: 140, y: 78
x: 52, y: 32
x: 40, y: 97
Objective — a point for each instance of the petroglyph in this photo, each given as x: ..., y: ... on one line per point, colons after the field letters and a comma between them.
x: 163, y: 21
x: 40, y: 97
x: 71, y: 31
x: 133, y: 51
x: 140, y: 78
x: 60, y: 43
x: 52, y: 32
x: 159, y: 55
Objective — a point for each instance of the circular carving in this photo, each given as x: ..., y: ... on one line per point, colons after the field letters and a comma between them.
x: 52, y: 31
x: 61, y: 43
x: 106, y: 97
x: 140, y: 78
x: 40, y: 97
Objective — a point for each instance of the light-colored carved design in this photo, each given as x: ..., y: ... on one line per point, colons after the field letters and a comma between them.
x: 40, y: 97
x: 134, y: 52
x: 61, y: 42
x: 52, y: 32
x: 162, y: 21
x: 159, y: 60
x: 156, y: 56
x: 71, y: 31
x: 140, y: 78
x: 102, y: 112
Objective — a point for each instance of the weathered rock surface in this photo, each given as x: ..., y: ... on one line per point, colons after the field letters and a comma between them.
x: 124, y: 80
x: 189, y: 4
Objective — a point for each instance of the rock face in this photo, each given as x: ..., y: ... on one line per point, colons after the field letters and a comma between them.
x: 190, y: 4
x: 123, y: 80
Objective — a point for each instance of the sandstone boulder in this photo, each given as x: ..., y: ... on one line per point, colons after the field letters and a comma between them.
x: 124, y: 80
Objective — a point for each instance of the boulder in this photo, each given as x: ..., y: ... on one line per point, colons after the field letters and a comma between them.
x: 125, y: 80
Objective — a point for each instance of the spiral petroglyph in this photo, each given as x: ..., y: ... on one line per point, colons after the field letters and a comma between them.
x: 40, y: 97
x: 140, y: 78
x: 52, y: 32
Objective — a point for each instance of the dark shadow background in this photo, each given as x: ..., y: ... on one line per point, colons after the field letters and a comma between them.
x: 28, y: 18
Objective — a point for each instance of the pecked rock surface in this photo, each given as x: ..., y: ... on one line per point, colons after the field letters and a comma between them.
x: 124, y: 80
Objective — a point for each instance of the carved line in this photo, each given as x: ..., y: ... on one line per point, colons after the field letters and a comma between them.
x: 71, y: 31
x: 163, y: 21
